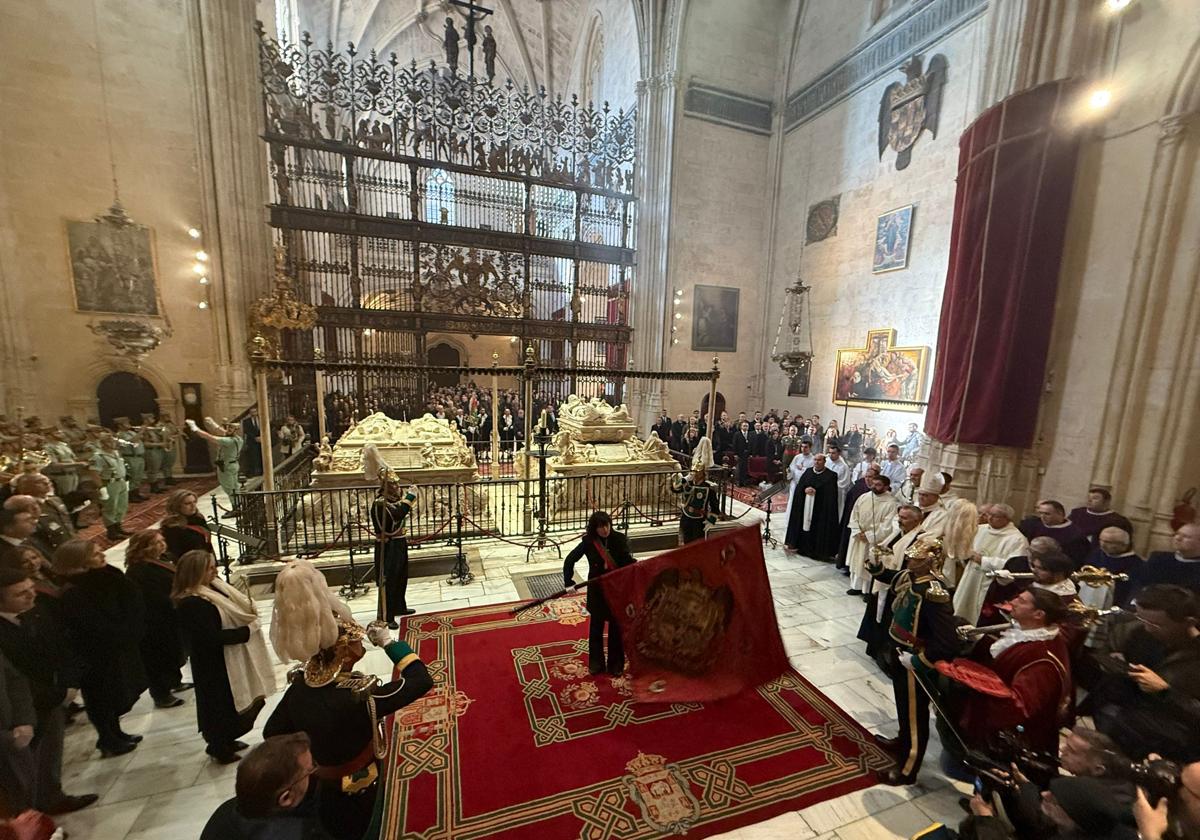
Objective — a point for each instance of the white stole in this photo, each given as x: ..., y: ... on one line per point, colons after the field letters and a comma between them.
x: 251, y: 674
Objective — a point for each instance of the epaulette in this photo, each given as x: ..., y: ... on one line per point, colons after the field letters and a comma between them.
x: 360, y: 685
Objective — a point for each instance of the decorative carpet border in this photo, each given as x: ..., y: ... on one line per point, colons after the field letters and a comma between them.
x: 815, y: 753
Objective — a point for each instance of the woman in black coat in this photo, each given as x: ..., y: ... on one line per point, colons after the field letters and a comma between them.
x: 183, y: 528
x: 150, y: 569
x: 605, y: 549
x: 104, y: 619
x: 219, y: 720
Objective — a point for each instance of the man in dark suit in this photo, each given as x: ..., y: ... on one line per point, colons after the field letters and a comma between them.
x: 37, y: 648
x: 663, y: 427
x: 252, y: 442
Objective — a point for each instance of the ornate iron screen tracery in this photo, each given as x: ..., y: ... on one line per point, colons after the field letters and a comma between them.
x: 414, y: 200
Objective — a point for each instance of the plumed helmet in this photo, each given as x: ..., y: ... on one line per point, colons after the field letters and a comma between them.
x: 304, y: 619
x: 702, y: 455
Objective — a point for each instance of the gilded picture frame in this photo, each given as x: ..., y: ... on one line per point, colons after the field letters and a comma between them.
x: 113, y: 268
x: 881, y: 375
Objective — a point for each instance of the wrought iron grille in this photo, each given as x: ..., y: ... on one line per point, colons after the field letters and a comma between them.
x: 412, y: 200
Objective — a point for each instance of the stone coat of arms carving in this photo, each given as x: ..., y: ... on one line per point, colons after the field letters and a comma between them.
x: 910, y: 107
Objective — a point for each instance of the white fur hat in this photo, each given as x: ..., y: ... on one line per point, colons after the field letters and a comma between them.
x: 932, y: 482
x: 702, y: 455
x: 305, y: 613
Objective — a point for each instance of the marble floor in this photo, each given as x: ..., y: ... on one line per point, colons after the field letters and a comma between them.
x: 168, y: 787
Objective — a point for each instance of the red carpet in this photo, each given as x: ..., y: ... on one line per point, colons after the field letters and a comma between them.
x: 144, y: 514
x: 517, y: 741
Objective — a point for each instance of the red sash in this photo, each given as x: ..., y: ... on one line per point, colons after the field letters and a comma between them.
x: 365, y: 757
x: 602, y: 550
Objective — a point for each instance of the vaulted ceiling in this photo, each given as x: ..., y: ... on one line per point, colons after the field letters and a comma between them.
x: 539, y: 42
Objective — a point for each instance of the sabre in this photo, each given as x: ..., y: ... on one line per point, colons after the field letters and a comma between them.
x: 570, y: 590
x: 1090, y: 575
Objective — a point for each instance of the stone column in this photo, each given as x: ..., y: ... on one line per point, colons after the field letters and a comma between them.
x: 1155, y: 384
x: 234, y: 182
x: 659, y: 28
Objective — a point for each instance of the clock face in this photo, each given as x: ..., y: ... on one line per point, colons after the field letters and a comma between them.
x: 822, y: 220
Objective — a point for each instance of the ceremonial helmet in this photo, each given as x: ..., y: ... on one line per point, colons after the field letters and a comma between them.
x: 323, y: 666
x: 702, y: 456
x: 929, y: 548
x: 310, y: 624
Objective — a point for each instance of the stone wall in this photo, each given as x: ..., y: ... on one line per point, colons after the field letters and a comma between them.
x: 54, y: 167
x: 836, y: 154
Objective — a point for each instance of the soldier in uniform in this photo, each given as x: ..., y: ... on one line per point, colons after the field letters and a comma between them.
x: 114, y: 489
x: 72, y: 433
x: 133, y: 450
x: 388, y: 514
x: 923, y: 630
x: 170, y: 436
x: 229, y: 449
x: 700, y: 499
x: 342, y: 710
x: 64, y: 465
x: 151, y: 438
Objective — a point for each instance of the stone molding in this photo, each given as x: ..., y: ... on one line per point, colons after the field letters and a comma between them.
x: 728, y: 108
x: 926, y: 24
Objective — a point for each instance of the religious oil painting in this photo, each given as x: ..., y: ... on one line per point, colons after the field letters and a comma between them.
x: 715, y: 319
x: 880, y: 374
x: 112, y: 268
x: 798, y: 381
x: 892, y: 232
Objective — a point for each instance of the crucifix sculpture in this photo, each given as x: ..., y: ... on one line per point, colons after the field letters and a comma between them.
x: 469, y: 34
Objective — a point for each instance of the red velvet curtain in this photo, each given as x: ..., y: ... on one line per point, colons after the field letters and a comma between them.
x: 1016, y: 168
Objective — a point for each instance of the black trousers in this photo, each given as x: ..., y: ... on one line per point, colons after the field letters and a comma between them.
x: 690, y: 529
x: 161, y: 676
x: 912, y: 713
x: 392, y: 579
x: 616, y: 650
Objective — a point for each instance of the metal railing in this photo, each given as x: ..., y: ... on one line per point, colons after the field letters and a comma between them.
x: 311, y: 521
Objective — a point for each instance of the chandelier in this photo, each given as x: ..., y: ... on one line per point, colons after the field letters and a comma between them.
x: 793, y: 349
x: 130, y: 338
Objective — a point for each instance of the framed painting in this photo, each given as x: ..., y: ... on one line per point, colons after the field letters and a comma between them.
x: 880, y: 374
x: 715, y: 319
x: 799, y: 380
x: 892, y: 235
x: 112, y: 268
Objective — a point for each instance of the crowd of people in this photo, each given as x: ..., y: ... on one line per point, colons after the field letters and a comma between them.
x: 73, y: 626
x: 1018, y: 629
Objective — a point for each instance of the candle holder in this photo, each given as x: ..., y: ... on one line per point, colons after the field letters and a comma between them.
x: 541, y: 440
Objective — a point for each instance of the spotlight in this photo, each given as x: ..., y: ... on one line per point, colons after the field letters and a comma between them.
x: 674, y: 340
x: 202, y: 256
x: 203, y: 281
x: 678, y: 315
x: 1117, y: 5
x: 202, y: 304
x: 194, y: 233
x: 1100, y: 99
x: 199, y: 268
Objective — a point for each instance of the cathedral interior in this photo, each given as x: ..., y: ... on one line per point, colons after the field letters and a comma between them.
x: 514, y: 260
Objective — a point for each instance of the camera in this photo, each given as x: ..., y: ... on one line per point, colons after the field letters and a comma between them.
x: 993, y: 767
x: 1158, y: 777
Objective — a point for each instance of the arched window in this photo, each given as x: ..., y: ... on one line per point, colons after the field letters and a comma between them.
x: 439, y: 198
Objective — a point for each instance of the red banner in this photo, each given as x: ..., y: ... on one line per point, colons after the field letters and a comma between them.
x: 698, y: 622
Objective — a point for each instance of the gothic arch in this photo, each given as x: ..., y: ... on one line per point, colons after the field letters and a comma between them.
x: 99, y: 369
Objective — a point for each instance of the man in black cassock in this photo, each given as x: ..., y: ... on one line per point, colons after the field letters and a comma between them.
x: 818, y: 488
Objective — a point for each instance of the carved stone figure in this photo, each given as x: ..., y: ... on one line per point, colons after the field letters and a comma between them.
x: 450, y: 39
x: 489, y: 54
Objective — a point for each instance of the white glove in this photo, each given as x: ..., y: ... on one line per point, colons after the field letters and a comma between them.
x: 191, y: 424
x: 1004, y: 576
x: 906, y: 659
x: 378, y: 633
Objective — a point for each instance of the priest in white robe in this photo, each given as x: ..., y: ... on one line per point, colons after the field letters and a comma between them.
x: 929, y: 500
x: 796, y: 468
x: 995, y: 543
x: 872, y: 521
x: 839, y: 465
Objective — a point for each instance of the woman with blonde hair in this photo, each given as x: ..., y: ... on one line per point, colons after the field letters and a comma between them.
x: 184, y: 528
x: 150, y: 568
x: 230, y: 666
x: 104, y: 619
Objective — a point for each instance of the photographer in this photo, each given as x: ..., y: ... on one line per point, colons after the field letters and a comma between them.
x: 1149, y: 698
x: 1175, y: 817
x: 1072, y: 809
